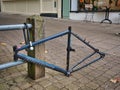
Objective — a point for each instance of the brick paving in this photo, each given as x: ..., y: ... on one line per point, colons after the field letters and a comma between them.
x: 94, y: 77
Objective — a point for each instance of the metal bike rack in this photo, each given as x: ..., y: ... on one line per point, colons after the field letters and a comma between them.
x: 14, y: 27
x: 66, y: 71
x: 23, y: 27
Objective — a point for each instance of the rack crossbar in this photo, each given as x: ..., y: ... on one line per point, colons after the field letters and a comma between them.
x: 14, y: 27
x: 11, y: 64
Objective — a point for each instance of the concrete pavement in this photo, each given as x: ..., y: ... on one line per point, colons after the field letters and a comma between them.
x: 96, y: 76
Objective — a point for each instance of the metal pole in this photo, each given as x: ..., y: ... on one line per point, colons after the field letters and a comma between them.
x: 14, y: 27
x: 11, y: 64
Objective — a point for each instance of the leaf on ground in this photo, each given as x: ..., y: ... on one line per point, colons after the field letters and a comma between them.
x: 22, y: 42
x: 3, y: 44
x: 115, y: 80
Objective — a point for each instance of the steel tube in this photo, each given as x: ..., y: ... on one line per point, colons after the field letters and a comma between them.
x: 84, y: 42
x: 41, y: 62
x: 82, y: 60
x: 43, y: 40
x: 11, y: 64
x: 68, y: 48
x: 87, y: 64
x: 14, y: 27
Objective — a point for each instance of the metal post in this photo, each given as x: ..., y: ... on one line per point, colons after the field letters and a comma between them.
x: 36, y: 33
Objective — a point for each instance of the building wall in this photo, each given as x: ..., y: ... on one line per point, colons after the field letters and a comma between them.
x: 80, y: 14
x: 97, y: 17
x: 21, y: 6
x: 31, y: 6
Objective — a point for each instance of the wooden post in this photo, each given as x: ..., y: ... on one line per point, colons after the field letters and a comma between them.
x: 36, y: 33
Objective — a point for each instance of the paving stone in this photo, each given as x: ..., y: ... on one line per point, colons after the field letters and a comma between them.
x: 64, y: 88
x: 53, y: 80
x: 85, y: 88
x: 45, y: 83
x: 52, y: 87
x: 72, y: 87
x: 4, y: 86
x: 14, y: 88
x: 100, y: 88
x: 89, y: 77
x: 77, y: 83
x: 67, y: 80
x: 30, y: 88
x: 84, y: 80
x: 115, y: 69
x: 92, y: 85
x: 95, y: 74
x: 102, y: 78
x: 59, y: 77
x: 23, y: 85
x: 2, y: 80
x: 87, y: 70
x: 97, y: 81
x: 38, y: 87
x: 19, y: 79
x: 118, y: 88
x: 111, y: 73
x: 77, y: 75
x: 109, y: 85
x: 59, y: 85
x: 11, y: 82
x: 103, y: 68
x: 14, y: 75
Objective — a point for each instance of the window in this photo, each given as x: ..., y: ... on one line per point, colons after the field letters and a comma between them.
x: 54, y: 4
x: 96, y: 5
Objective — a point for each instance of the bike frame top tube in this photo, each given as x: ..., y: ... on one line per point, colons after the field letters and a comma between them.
x: 43, y: 40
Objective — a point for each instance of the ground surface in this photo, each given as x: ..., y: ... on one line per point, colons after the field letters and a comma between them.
x: 94, y: 77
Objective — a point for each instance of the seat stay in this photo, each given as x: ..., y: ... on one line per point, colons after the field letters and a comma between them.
x: 86, y: 43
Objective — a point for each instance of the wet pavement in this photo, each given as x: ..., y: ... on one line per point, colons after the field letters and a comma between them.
x: 96, y: 76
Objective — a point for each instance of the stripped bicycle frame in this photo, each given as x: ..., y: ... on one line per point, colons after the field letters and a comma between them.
x: 66, y: 71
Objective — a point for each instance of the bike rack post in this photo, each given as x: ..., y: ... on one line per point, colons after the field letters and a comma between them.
x: 35, y: 33
x: 9, y: 28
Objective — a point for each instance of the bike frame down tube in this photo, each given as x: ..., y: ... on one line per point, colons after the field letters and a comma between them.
x: 41, y: 62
